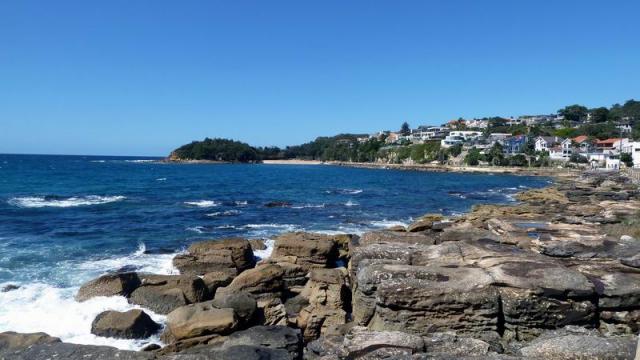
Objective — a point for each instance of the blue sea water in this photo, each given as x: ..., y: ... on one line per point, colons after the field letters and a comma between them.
x: 67, y: 219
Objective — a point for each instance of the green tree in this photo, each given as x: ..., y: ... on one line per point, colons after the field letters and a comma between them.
x: 573, y: 112
x: 495, y: 156
x: 455, y: 150
x: 627, y: 159
x: 473, y: 157
x: 599, y: 115
x: 518, y: 160
x: 405, y: 129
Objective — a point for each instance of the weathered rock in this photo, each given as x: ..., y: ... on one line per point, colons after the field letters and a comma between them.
x: 273, y: 337
x: 242, y: 303
x: 310, y: 250
x: 386, y: 237
x: 361, y: 342
x: 164, y: 293
x: 424, y: 299
x: 200, y: 319
x: 232, y: 255
x: 563, y: 345
x: 133, y: 324
x: 12, y: 340
x: 276, y: 204
x: 109, y: 285
x: 217, y: 279
x: 273, y: 312
x: 257, y: 244
x: 450, y: 344
x: 547, y: 195
x: 424, y: 223
x: 262, y: 282
x: 40, y: 346
x: 328, y: 298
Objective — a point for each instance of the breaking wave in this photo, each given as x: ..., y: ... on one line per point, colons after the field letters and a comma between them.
x: 62, y: 202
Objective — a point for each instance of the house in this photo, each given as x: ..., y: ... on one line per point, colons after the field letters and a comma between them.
x: 633, y: 148
x: 450, y: 141
x: 544, y: 143
x: 624, y: 128
x: 466, y: 135
x: 392, y: 138
x: 615, y: 144
x: 583, y: 144
x: 477, y: 124
x: 493, y: 137
x: 514, y: 144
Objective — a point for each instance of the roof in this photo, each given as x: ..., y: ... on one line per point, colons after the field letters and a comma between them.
x: 580, y: 139
x: 608, y: 141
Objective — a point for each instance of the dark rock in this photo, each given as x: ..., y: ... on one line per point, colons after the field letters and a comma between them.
x: 276, y: 204
x: 151, y: 347
x: 10, y: 287
x: 109, y: 285
x: 133, y: 324
x: 273, y: 337
x: 66, y: 351
x: 242, y: 303
x: 232, y: 255
x: 569, y: 345
x: 164, y: 293
x: 240, y: 352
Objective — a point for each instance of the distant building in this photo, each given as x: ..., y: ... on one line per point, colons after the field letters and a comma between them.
x: 544, y: 143
x: 514, y: 144
x: 624, y: 128
x: 633, y: 148
x: 477, y: 124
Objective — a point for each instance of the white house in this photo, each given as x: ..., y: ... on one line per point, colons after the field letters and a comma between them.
x: 466, y: 135
x: 544, y: 143
x: 633, y: 148
x: 451, y: 140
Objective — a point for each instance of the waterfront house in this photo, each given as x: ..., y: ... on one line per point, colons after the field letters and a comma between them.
x: 582, y: 144
x: 544, y: 143
x: 633, y: 148
x: 514, y: 144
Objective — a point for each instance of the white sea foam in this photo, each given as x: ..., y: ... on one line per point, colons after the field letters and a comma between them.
x: 241, y: 203
x: 270, y: 226
x: 388, y: 223
x: 197, y: 229
x: 225, y: 213
x: 143, y: 262
x: 308, y: 206
x: 140, y: 161
x: 161, y: 179
x: 202, y: 203
x: 351, y: 203
x: 263, y: 254
x: 41, y: 201
x: 40, y: 307
x: 345, y: 191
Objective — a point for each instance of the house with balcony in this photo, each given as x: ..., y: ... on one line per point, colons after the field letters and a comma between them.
x: 545, y: 143
x: 514, y: 144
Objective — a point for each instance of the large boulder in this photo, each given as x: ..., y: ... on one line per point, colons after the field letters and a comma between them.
x: 132, y: 324
x: 242, y: 303
x: 309, y: 249
x: 232, y: 256
x: 425, y: 299
x: 327, y: 298
x: 200, y: 319
x: 238, y: 352
x: 164, y: 293
x: 262, y: 282
x: 122, y: 284
x: 273, y: 337
x: 424, y: 223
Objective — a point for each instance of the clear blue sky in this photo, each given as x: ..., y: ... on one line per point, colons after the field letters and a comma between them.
x: 139, y: 77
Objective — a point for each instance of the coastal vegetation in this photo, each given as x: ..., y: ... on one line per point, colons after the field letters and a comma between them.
x: 577, y: 120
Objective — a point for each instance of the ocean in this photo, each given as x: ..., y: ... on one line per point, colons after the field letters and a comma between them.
x: 67, y: 219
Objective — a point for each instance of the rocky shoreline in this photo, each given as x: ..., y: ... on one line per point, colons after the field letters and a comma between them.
x: 555, y: 276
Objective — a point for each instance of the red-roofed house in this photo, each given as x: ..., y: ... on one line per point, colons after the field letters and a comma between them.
x: 611, y: 144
